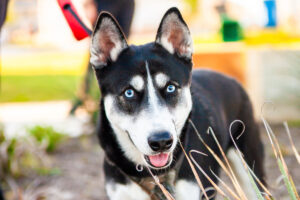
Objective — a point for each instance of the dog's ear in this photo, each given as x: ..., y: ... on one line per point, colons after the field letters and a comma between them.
x: 108, y: 41
x: 174, y: 35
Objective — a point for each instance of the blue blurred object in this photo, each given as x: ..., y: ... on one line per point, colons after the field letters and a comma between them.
x: 271, y: 10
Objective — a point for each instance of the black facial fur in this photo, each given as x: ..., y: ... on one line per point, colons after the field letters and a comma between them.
x: 114, y: 78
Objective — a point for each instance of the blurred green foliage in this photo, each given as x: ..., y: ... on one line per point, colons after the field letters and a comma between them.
x: 17, y: 157
x: 7, y: 154
x: 47, y: 137
x: 38, y: 88
x: 23, y: 156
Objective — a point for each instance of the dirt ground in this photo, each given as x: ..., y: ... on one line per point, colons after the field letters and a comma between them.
x: 81, y: 176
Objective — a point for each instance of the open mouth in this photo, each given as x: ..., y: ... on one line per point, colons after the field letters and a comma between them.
x: 160, y: 160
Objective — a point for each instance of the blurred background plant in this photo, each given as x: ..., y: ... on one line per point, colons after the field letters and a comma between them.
x: 23, y: 157
x: 47, y: 137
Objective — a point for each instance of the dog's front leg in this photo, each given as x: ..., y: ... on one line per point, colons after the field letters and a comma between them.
x: 128, y: 191
x: 187, y: 190
x: 118, y: 186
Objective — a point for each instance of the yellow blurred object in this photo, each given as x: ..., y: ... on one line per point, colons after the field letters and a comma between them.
x: 10, y: 17
x: 270, y: 36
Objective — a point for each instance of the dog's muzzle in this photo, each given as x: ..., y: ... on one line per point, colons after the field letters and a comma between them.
x: 160, y: 143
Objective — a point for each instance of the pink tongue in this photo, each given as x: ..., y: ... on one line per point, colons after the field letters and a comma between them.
x: 159, y: 160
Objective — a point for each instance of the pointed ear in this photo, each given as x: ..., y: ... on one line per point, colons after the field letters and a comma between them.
x: 108, y: 41
x: 174, y: 35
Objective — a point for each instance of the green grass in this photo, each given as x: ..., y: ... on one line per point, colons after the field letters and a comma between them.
x: 294, y: 123
x: 38, y: 88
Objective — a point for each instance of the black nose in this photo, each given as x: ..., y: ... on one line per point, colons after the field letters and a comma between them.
x: 160, y: 141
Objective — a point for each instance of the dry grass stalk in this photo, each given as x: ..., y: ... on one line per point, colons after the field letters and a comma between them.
x: 194, y: 171
x: 216, y: 187
x: 281, y: 162
x: 239, y: 194
x: 230, y: 173
x: 228, y: 169
x: 230, y: 191
x: 247, y: 168
x: 296, y: 153
x: 266, y: 194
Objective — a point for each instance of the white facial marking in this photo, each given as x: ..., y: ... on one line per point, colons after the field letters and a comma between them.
x: 137, y: 82
x: 161, y: 80
x: 130, y: 191
x: 119, y: 123
x: 153, y: 100
x: 187, y: 190
x: 157, y: 115
x: 183, y: 108
x: 241, y: 173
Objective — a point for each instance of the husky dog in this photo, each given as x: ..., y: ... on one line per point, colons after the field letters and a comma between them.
x: 150, y: 96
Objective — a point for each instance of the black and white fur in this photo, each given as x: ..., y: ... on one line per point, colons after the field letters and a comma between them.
x: 137, y: 103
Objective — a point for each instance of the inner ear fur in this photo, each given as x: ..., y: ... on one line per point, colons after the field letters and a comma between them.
x: 173, y: 34
x: 108, y: 41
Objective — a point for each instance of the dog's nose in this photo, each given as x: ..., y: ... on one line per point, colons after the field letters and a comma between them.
x: 160, y: 141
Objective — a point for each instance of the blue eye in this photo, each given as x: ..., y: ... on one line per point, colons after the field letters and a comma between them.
x: 171, y: 88
x: 129, y: 93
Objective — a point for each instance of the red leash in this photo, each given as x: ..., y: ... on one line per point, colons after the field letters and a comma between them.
x: 79, y: 29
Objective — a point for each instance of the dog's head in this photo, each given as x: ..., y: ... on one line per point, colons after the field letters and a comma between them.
x: 145, y: 89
